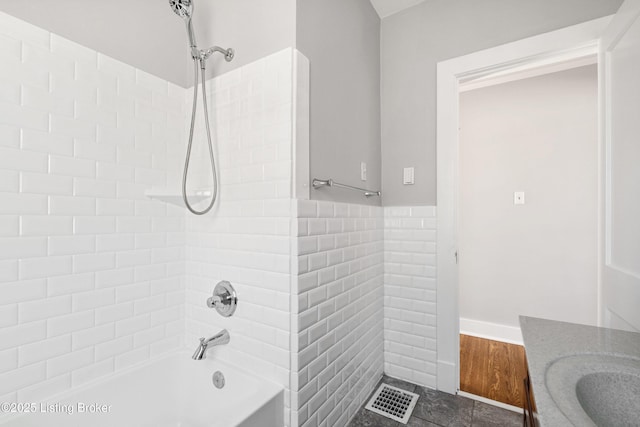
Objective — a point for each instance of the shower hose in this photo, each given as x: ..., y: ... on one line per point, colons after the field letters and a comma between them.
x: 214, y: 193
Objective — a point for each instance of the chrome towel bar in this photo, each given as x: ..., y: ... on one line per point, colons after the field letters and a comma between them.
x: 317, y: 183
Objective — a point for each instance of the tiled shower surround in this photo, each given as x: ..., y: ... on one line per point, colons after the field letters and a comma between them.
x: 95, y: 276
x: 246, y: 239
x: 98, y: 274
x: 91, y: 271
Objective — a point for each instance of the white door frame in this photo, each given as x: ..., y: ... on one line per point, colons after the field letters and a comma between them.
x: 565, y: 44
x: 620, y: 288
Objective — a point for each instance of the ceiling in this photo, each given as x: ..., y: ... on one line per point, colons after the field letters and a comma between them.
x: 389, y: 7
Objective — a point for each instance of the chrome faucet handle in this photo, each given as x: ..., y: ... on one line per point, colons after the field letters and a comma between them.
x: 219, y: 300
x: 224, y: 299
x: 213, y: 301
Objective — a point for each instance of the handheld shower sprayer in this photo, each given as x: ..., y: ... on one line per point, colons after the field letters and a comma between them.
x: 184, y: 9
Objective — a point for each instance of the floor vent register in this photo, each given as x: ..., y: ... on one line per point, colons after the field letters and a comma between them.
x: 393, y: 402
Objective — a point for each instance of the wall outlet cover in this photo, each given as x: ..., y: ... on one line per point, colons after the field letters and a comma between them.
x: 408, y: 176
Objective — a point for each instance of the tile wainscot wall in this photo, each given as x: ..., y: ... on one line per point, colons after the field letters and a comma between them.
x: 337, y: 358
x: 410, y: 293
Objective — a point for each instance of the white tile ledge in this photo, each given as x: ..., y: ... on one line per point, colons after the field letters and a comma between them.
x: 176, y: 198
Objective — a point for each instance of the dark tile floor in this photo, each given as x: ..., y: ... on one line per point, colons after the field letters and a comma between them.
x: 438, y: 409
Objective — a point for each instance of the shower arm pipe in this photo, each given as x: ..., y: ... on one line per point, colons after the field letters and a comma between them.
x: 203, y: 55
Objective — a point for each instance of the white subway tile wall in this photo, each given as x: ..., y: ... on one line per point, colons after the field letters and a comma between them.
x: 247, y: 239
x: 91, y: 272
x: 410, y: 293
x: 96, y: 277
x: 337, y: 352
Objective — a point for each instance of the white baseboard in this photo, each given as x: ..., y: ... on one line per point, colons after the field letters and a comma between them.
x: 492, y: 331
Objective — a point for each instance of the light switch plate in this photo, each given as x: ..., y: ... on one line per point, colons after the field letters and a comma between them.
x: 518, y: 198
x: 408, y: 176
x: 363, y: 171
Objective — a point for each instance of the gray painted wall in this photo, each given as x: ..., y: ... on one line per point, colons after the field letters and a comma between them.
x: 514, y: 257
x: 342, y: 41
x: 147, y: 35
x: 253, y: 28
x: 413, y: 41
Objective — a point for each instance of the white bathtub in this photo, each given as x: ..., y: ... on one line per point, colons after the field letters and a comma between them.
x: 174, y: 391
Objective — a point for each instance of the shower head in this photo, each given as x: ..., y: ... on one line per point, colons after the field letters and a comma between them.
x: 182, y: 8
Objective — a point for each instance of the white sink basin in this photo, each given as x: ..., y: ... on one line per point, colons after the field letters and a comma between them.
x: 596, y: 389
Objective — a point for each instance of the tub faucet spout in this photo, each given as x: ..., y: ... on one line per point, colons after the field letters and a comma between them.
x: 220, y: 338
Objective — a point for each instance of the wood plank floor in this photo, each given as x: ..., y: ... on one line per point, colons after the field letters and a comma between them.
x: 492, y: 369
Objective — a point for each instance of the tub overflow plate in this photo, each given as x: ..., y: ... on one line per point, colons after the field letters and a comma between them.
x: 218, y: 379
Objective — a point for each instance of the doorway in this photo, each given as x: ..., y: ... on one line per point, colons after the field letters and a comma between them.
x: 527, y: 231
x: 562, y: 45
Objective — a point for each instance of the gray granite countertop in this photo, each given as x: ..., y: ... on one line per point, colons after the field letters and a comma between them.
x: 546, y: 341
